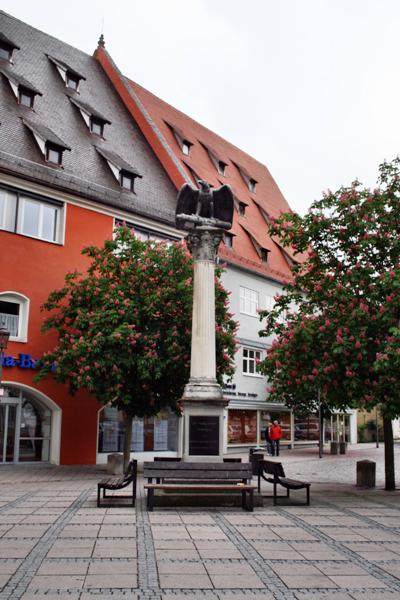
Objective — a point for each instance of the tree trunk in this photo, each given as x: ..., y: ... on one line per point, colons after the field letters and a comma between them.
x: 390, y: 483
x: 128, y: 418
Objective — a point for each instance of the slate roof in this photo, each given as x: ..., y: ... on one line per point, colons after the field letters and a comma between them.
x: 45, y: 133
x: 19, y: 80
x: 84, y: 172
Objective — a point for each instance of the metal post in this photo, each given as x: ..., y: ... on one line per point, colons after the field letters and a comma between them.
x: 377, y: 426
x: 321, y: 426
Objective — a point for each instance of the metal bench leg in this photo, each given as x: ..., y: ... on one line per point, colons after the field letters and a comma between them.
x: 98, y: 496
x: 150, y: 499
x: 287, y: 493
x: 244, y: 500
x: 308, y: 495
x: 133, y: 492
x: 275, y: 499
x: 259, y: 483
x: 250, y: 506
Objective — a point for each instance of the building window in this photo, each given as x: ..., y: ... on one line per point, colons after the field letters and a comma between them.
x: 221, y: 167
x: 14, y: 315
x: 242, y: 427
x: 96, y: 126
x: 26, y: 97
x: 23, y: 214
x: 186, y: 147
x: 72, y: 80
x: 150, y: 434
x: 53, y: 153
x: 252, y: 185
x: 5, y: 51
x: 242, y: 209
x: 127, y: 181
x: 264, y: 254
x: 248, y: 301
x: 250, y: 360
x: 228, y: 240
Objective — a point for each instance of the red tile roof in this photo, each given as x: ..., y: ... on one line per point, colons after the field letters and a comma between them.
x: 157, y: 120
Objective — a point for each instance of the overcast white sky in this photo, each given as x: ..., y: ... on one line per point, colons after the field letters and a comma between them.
x: 311, y: 88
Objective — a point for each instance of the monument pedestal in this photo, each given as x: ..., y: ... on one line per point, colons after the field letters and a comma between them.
x: 203, y: 421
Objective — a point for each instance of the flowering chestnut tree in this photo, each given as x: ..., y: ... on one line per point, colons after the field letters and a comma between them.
x: 124, y: 327
x: 337, y: 323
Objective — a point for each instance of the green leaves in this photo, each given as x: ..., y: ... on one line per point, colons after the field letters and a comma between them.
x: 340, y: 338
x: 124, y: 327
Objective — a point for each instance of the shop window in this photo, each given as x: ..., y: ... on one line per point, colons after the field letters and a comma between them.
x: 150, y: 434
x: 14, y: 309
x: 251, y: 358
x: 248, y: 301
x: 34, y: 435
x: 306, y: 428
x: 284, y: 420
x: 242, y: 427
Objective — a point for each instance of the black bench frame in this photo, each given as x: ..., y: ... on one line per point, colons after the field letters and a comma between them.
x: 278, y: 477
x: 115, y: 482
x: 178, y: 476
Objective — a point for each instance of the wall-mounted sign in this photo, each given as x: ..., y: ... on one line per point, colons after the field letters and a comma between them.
x: 24, y: 361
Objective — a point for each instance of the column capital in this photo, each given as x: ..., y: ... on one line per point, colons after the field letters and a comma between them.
x: 203, y: 242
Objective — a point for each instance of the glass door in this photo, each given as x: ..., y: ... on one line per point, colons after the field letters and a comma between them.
x: 8, y: 420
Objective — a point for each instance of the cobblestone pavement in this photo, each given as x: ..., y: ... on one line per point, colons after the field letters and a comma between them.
x: 56, y: 544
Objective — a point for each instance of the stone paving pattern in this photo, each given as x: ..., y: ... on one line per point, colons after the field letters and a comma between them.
x: 56, y: 544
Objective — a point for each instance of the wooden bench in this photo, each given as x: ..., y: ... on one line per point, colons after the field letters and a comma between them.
x: 196, y: 477
x: 275, y: 469
x: 118, y: 483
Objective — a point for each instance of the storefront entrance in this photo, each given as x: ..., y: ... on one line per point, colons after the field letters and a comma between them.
x: 24, y: 427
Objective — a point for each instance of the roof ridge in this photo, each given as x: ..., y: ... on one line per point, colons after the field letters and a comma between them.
x: 224, y: 140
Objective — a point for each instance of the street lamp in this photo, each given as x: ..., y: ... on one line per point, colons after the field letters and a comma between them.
x: 4, y: 335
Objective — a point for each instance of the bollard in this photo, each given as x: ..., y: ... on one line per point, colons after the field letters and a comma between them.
x: 115, y: 464
x: 366, y: 473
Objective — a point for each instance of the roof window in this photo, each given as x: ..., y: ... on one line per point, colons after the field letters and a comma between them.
x: 264, y: 254
x: 252, y: 185
x: 22, y: 89
x: 186, y: 147
x: 228, y: 239
x: 123, y: 172
x: 70, y: 76
x: 7, y: 47
x: 221, y: 167
x: 242, y: 208
x: 93, y: 119
x: 51, y: 146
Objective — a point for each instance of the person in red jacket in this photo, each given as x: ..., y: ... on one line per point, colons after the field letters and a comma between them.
x: 275, y: 433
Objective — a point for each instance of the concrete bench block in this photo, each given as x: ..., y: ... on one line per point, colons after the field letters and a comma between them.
x: 115, y: 464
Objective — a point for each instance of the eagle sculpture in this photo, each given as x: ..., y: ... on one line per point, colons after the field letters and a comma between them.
x: 204, y: 206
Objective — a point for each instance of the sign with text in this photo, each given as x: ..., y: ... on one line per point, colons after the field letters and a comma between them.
x: 203, y: 435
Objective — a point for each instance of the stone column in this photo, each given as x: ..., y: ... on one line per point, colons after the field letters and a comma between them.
x: 203, y: 402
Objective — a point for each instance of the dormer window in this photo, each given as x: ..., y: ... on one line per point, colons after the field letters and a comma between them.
x: 96, y: 126
x: 72, y: 80
x: 186, y: 147
x: 264, y: 254
x: 124, y: 173
x: 242, y: 209
x: 70, y: 76
x: 26, y: 97
x: 126, y: 180
x: 221, y: 167
x: 252, y: 185
x: 7, y: 48
x: 228, y: 239
x: 93, y: 119
x: 53, y: 153
x: 51, y: 146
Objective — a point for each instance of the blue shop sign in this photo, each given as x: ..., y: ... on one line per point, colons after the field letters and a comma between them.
x: 24, y: 361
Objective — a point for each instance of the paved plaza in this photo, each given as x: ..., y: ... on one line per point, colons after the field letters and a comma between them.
x: 57, y: 544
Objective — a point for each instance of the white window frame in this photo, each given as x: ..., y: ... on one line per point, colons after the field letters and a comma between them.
x: 23, y: 302
x: 251, y: 356
x: 249, y: 301
x: 21, y: 214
